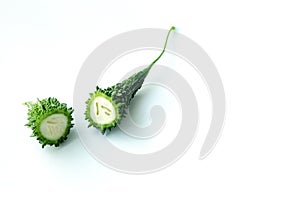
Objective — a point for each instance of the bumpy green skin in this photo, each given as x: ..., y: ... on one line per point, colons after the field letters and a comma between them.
x: 42, y: 109
x: 120, y: 94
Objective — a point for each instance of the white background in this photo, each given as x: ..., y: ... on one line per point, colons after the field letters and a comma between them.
x: 255, y: 46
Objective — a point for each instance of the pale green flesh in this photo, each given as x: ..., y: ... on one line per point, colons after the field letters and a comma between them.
x: 54, y: 126
x: 102, y: 111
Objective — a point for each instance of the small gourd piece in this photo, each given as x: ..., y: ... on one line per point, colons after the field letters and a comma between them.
x: 49, y: 120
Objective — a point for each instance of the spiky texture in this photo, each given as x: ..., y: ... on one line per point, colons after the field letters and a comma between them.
x: 118, y: 95
x: 44, y: 109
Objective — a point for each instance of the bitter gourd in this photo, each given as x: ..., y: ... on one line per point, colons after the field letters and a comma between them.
x: 106, y: 107
x: 49, y: 120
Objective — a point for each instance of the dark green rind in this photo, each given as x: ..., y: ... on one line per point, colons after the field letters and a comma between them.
x: 121, y: 94
x: 125, y: 91
x: 42, y: 109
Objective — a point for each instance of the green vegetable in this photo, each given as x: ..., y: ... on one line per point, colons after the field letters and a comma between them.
x: 106, y: 107
x: 49, y: 120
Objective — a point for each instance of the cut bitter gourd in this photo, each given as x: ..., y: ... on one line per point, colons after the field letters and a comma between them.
x: 49, y: 120
x: 106, y: 107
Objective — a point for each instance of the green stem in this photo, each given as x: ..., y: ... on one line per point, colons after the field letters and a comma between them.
x: 163, y: 51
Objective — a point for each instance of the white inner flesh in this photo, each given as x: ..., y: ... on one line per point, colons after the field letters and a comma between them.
x: 102, y: 111
x: 54, y: 126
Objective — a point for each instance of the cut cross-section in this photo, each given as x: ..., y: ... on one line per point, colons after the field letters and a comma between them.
x: 54, y: 126
x: 102, y: 111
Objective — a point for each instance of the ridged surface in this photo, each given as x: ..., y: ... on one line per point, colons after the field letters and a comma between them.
x: 40, y: 110
x: 120, y: 94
